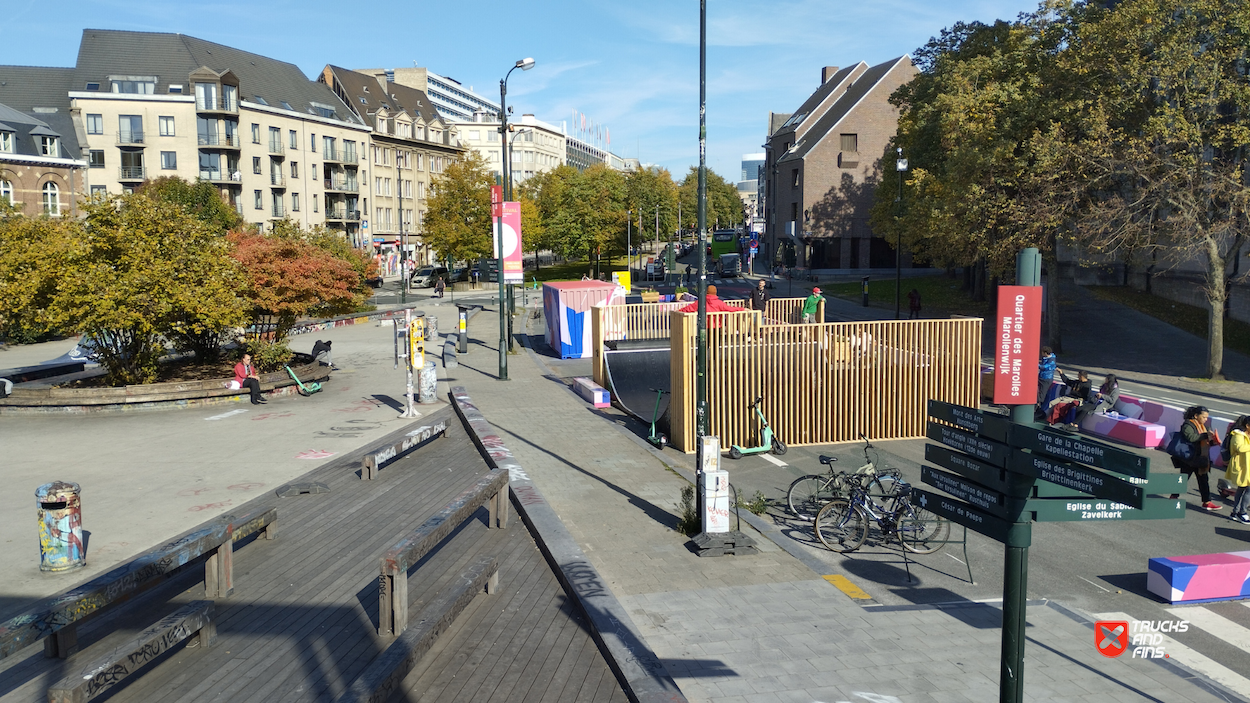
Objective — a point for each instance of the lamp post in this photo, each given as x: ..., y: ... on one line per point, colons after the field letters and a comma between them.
x: 629, y: 225
x: 525, y: 65
x: 900, y: 167
x: 701, y: 409
x: 508, y: 196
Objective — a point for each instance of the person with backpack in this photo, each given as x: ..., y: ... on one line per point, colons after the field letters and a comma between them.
x: 1190, y: 449
x: 1236, y: 454
x: 1045, y: 377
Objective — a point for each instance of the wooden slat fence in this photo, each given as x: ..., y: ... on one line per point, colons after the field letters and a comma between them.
x: 823, y: 383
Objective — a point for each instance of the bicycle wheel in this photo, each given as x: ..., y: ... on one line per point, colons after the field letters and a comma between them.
x: 920, y: 531
x: 841, y: 526
x: 808, y: 493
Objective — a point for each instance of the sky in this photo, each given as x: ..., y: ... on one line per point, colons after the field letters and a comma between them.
x: 630, y: 66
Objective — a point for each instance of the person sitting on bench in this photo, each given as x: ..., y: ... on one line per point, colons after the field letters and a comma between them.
x: 245, y: 377
x: 321, y: 352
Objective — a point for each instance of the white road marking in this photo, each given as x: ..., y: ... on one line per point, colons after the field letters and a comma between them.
x: 225, y: 415
x: 961, y: 561
x: 1108, y: 590
x: 1200, y: 663
x: 1215, y: 624
x: 773, y: 460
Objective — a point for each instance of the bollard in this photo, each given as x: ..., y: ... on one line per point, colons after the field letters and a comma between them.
x: 431, y: 327
x: 60, y: 527
x: 427, y: 388
x: 863, y: 291
x: 463, y: 347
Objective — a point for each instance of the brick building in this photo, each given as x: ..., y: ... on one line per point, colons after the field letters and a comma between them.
x: 822, y: 165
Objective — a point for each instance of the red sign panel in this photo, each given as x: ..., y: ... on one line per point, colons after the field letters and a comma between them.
x: 496, y: 201
x: 1016, y: 339
x: 1111, y: 636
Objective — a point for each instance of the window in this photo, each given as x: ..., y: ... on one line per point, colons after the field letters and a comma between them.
x: 255, y: 133
x: 142, y: 86
x: 95, y: 124
x: 349, y: 150
x: 256, y: 200
x: 275, y: 139
x: 48, y: 146
x: 420, y: 189
x: 96, y: 158
x: 210, y: 166
x: 312, y: 142
x: 6, y: 142
x: 294, y: 139
x: 287, y: 105
x: 386, y: 183
x: 329, y: 147
x: 315, y: 205
x: 255, y: 164
x: 260, y: 100
x: 166, y: 126
x: 295, y: 169
x: 795, y: 172
x: 230, y: 98
x: 99, y: 192
x: 794, y: 212
x: 51, y: 199
x: 475, y: 135
x: 93, y: 86
x: 130, y: 129
x: 169, y: 160
x: 492, y: 136
x: 176, y: 89
x: 377, y: 185
x: 420, y: 159
x: 850, y: 142
x: 6, y: 192
x: 294, y: 202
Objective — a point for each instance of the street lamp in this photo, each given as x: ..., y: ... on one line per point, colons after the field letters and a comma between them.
x: 525, y: 65
x: 701, y: 406
x: 900, y: 166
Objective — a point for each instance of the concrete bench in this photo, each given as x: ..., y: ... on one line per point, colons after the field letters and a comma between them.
x: 1200, y: 578
x: 109, y: 669
x: 55, y: 620
x: 592, y: 392
x: 379, y: 681
x: 372, y: 463
x: 491, y: 488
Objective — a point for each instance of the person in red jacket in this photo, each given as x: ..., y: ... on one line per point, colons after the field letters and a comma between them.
x: 245, y: 377
x: 714, y: 304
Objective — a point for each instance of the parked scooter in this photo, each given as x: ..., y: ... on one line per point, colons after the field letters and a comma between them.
x: 768, y: 441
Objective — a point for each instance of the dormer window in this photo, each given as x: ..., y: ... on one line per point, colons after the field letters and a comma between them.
x: 260, y: 100
x: 48, y: 146
x: 175, y: 89
x: 6, y: 142
x: 287, y: 105
x: 134, y: 85
x: 93, y: 86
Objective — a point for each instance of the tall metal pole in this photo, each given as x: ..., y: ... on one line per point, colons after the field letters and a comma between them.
x: 900, y: 167
x: 403, y: 237
x: 1019, y: 537
x: 503, y: 308
x: 629, y: 223
x: 701, y: 409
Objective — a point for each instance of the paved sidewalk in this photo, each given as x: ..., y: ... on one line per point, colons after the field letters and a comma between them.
x: 765, y: 627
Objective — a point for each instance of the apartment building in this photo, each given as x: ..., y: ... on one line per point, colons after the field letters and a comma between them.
x: 536, y: 146
x: 409, y: 145
x: 822, y: 163
x: 275, y: 144
x: 450, y: 98
x: 41, y: 170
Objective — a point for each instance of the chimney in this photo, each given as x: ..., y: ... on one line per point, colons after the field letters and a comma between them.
x: 826, y: 73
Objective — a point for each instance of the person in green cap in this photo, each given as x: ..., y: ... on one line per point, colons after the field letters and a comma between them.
x: 811, y: 306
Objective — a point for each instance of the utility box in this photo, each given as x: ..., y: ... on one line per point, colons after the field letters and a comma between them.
x: 715, y: 490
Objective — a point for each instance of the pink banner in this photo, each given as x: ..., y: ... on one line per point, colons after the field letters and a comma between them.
x: 1016, y: 338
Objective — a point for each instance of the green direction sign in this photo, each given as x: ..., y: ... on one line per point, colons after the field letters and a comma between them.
x: 1073, y: 510
x: 988, y: 425
x: 977, y: 496
x: 988, y: 451
x: 1079, y: 478
x: 962, y: 514
x: 991, y: 477
x: 1154, y: 484
x: 1079, y: 449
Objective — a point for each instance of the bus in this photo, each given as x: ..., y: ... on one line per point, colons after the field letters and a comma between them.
x: 724, y: 241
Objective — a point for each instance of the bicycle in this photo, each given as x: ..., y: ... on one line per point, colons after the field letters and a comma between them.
x: 808, y: 493
x: 842, y: 525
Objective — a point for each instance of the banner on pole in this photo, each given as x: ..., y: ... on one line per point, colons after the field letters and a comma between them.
x: 1016, y: 340
x: 496, y: 201
x: 513, y: 267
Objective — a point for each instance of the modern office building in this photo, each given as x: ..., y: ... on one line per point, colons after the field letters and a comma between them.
x: 536, y: 146
x: 748, y: 184
x: 452, y: 100
x: 41, y: 166
x: 148, y: 105
x: 410, y: 144
x: 822, y: 163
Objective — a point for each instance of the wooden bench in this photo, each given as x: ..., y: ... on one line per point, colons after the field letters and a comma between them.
x: 56, y: 619
x: 371, y: 464
x: 111, y: 668
x: 381, y: 679
x: 1200, y: 578
x: 592, y: 392
x: 491, y: 488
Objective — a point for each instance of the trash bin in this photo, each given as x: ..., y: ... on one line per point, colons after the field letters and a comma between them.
x: 427, y: 383
x: 60, y: 527
x: 863, y: 288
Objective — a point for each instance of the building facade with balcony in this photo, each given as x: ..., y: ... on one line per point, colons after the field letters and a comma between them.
x: 409, y: 145
x: 450, y: 98
x: 822, y: 164
x: 149, y: 105
x: 536, y: 146
x: 41, y: 170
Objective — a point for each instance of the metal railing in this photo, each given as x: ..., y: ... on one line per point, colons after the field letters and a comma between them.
x: 332, y: 155
x: 217, y: 105
x: 131, y: 173
x: 278, y: 210
x: 353, y: 215
x: 276, y: 148
x: 277, y: 179
x: 230, y: 141
x: 341, y: 184
x: 130, y: 136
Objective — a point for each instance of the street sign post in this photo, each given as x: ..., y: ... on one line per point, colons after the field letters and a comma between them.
x: 1152, y: 485
x: 986, y: 450
x: 1087, y: 481
x: 1080, y: 510
x: 991, y: 477
x: 961, y: 513
x: 978, y: 422
x: 991, y: 502
x: 1066, y: 446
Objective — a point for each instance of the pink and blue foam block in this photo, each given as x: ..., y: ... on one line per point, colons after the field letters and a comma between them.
x: 1200, y: 578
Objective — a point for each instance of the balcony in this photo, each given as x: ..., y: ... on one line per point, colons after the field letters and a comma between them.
x: 345, y: 185
x: 220, y: 141
x: 331, y: 155
x: 131, y: 173
x: 278, y: 210
x: 277, y: 180
x: 128, y: 136
x: 216, y: 105
x: 276, y: 148
x: 353, y: 216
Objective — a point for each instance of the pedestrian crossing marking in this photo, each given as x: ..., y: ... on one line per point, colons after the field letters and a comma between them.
x: 1200, y: 663
x: 773, y: 460
x: 1215, y: 624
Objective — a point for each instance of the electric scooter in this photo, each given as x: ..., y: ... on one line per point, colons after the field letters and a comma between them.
x: 655, y: 438
x: 768, y: 441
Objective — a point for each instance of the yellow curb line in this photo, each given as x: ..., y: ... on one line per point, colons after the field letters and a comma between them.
x: 845, y: 585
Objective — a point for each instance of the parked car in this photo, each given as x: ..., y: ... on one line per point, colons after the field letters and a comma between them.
x: 427, y: 276
x: 460, y: 273
x: 730, y: 265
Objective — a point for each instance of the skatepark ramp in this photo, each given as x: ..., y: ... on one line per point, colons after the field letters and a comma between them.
x: 634, y: 371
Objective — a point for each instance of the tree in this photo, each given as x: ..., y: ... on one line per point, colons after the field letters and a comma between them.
x: 336, y: 245
x: 1166, y: 136
x: 143, y: 271
x: 33, y: 253
x: 648, y: 191
x: 724, y: 207
x: 201, y: 199
x: 457, y: 221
